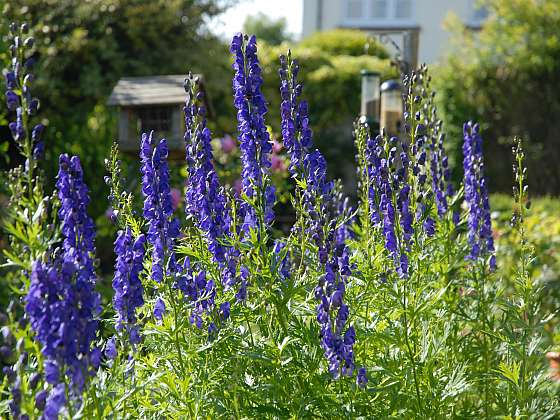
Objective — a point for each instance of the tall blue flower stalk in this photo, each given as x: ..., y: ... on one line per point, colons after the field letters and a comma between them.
x: 480, y: 237
x: 163, y: 228
x: 207, y: 205
x: 389, y: 195
x: 207, y: 202
x: 430, y: 163
x: 320, y: 223
x: 19, y: 80
x: 129, y: 292
x: 254, y: 139
x: 62, y: 304
x: 440, y: 171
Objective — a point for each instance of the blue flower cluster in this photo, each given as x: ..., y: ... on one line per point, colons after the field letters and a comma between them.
x: 306, y: 164
x: 254, y: 139
x: 129, y: 292
x: 440, y: 171
x: 206, y: 201
x: 318, y: 201
x: 296, y: 132
x: 476, y: 196
x: 62, y: 303
x: 18, y: 94
x: 207, y: 205
x: 158, y: 210
x: 389, y: 197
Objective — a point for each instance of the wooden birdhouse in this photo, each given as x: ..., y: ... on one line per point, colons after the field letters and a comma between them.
x: 152, y: 103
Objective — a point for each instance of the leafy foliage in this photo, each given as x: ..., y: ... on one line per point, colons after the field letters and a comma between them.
x: 381, y: 311
x: 507, y: 76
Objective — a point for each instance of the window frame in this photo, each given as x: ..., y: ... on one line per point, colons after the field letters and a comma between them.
x: 155, y: 113
x: 389, y: 21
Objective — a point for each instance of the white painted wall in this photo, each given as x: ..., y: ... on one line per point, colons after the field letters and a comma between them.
x: 428, y: 15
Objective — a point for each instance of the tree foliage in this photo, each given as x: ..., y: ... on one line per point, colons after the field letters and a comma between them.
x: 84, y: 48
x: 508, y: 75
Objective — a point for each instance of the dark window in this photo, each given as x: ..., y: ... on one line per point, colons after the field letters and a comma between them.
x: 157, y: 118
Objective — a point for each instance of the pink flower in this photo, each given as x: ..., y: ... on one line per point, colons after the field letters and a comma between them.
x: 277, y: 163
x: 228, y: 144
x: 276, y: 146
x: 175, y: 198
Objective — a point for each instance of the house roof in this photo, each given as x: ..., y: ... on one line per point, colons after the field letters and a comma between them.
x: 135, y: 91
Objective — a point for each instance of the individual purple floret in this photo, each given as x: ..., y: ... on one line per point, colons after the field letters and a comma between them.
x: 480, y: 237
x: 281, y: 260
x: 361, y: 379
x: 158, y: 210
x: 62, y: 304
x: 129, y: 292
x: 255, y: 144
x: 111, y: 348
x: 159, y: 309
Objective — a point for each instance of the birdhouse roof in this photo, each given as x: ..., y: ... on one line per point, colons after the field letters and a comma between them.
x: 152, y: 90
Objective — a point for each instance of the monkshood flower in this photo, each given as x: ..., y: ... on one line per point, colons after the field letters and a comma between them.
x: 158, y: 209
x: 129, y: 292
x: 206, y: 200
x: 281, y: 260
x: 322, y: 215
x: 389, y: 196
x: 480, y: 237
x: 296, y: 133
x: 62, y: 304
x: 361, y: 379
x: 111, y: 348
x: 200, y: 290
x: 255, y: 144
x: 440, y: 171
x: 18, y: 95
x: 207, y: 205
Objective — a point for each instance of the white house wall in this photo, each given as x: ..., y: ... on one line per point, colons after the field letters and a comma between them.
x: 428, y: 15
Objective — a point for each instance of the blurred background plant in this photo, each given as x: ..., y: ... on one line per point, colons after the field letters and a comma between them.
x: 508, y: 75
x: 84, y: 48
x: 505, y: 76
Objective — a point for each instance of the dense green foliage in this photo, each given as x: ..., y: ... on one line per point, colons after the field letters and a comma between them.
x: 84, y: 48
x: 508, y: 75
x: 447, y: 337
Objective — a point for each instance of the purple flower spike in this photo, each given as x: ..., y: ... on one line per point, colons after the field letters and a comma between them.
x: 158, y: 210
x: 129, y: 292
x: 62, y: 304
x: 322, y: 209
x: 255, y: 144
x: 19, y: 99
x: 476, y: 196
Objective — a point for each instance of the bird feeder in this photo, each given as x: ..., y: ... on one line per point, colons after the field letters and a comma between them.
x: 370, y: 98
x: 151, y: 103
x: 391, y: 107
